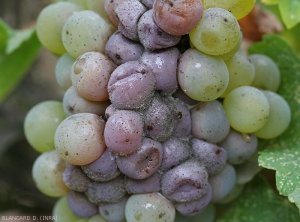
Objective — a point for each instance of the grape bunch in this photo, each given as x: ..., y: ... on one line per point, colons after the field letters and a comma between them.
x: 161, y: 114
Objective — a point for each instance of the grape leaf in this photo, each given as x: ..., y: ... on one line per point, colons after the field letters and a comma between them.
x: 17, y: 39
x: 5, y: 32
x: 13, y: 66
x: 259, y: 203
x: 283, y: 153
x: 289, y: 11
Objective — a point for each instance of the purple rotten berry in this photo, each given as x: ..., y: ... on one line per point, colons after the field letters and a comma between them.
x: 144, y: 162
x: 184, y: 123
x: 129, y: 13
x: 151, y: 36
x: 106, y: 192
x: 121, y: 49
x: 131, y: 86
x: 240, y: 147
x: 175, y: 151
x: 80, y: 205
x: 114, y: 212
x: 222, y: 183
x: 195, y: 207
x: 185, y: 182
x: 159, y: 118
x: 123, y: 132
x: 147, y: 3
x: 103, y: 169
x: 148, y: 185
x: 163, y: 64
x: 75, y: 178
x: 212, y: 156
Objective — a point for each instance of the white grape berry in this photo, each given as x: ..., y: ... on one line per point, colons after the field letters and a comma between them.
x: 79, y: 139
x: 149, y: 207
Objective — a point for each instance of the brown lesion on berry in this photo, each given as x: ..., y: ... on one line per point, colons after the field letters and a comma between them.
x: 218, y: 151
x: 118, y: 57
x: 149, y: 128
x: 70, y: 109
x: 171, y: 4
x: 161, y: 215
x: 178, y: 115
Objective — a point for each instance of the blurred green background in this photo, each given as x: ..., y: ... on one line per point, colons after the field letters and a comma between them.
x: 18, y: 194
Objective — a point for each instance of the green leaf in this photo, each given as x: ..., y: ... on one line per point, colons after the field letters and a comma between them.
x: 18, y: 38
x: 259, y: 203
x: 5, y: 33
x: 14, y: 66
x: 283, y: 153
x: 290, y: 12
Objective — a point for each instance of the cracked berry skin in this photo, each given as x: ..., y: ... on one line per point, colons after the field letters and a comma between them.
x: 131, y: 86
x: 129, y: 13
x: 192, y: 208
x: 144, y: 162
x: 163, y: 64
x: 185, y: 182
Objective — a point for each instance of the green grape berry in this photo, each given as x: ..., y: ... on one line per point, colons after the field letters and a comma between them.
x: 50, y: 23
x: 217, y: 32
x: 40, y: 124
x: 279, y: 117
x: 241, y: 72
x: 47, y: 174
x: 247, y: 109
x: 202, y: 77
x: 239, y: 8
x: 267, y: 73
